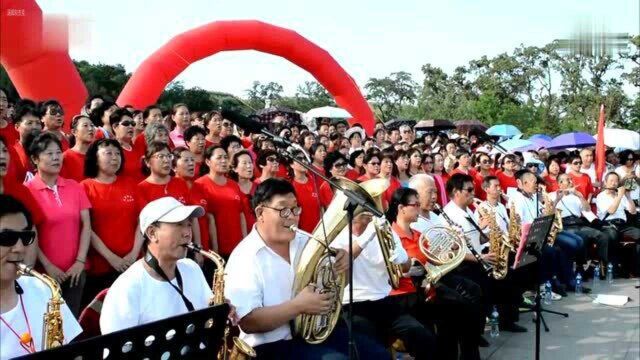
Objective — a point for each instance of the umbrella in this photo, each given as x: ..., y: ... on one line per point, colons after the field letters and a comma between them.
x: 513, y: 144
x: 572, y: 140
x: 505, y: 130
x: 536, y: 145
x: 621, y: 138
x: 328, y: 112
x: 434, y: 125
x: 540, y: 136
x: 267, y: 114
x: 465, y: 126
x: 394, y: 124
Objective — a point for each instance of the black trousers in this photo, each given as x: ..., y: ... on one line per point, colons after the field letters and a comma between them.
x: 620, y: 232
x: 591, y: 236
x: 384, y: 318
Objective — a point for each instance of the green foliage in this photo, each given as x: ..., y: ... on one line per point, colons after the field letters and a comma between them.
x: 391, y: 93
x: 102, y: 79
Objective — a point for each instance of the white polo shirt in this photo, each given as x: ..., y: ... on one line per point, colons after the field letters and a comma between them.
x: 370, y: 277
x: 137, y: 298
x: 459, y: 216
x: 569, y: 205
x: 502, y: 218
x: 35, y: 298
x: 526, y: 206
x: 424, y: 224
x: 604, y: 201
x: 258, y: 277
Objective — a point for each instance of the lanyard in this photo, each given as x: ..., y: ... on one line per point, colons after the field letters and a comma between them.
x: 153, y: 263
x: 26, y: 341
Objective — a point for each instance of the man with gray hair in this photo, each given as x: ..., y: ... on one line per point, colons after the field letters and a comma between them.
x: 425, y: 185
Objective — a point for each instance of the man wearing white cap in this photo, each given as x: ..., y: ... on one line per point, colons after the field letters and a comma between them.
x: 163, y: 274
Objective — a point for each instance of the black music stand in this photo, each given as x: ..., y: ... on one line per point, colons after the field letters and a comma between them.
x: 532, y: 252
x: 194, y: 335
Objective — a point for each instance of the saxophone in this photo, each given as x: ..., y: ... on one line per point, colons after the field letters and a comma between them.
x: 550, y: 209
x: 52, y: 334
x: 241, y: 350
x: 499, y: 243
x: 515, y: 227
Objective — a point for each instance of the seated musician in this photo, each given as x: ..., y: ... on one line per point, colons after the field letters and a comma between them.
x: 23, y: 299
x: 260, y: 277
x: 163, y: 283
x: 504, y: 293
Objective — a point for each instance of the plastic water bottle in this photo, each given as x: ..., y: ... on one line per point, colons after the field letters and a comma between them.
x: 610, y: 273
x: 578, y: 284
x: 596, y: 278
x: 494, y: 321
x: 547, y: 292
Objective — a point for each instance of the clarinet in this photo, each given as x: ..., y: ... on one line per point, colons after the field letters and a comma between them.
x: 486, y: 267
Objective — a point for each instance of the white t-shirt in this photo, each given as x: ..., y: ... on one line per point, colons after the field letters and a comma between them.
x: 459, y: 216
x: 370, y: 277
x: 502, y: 218
x: 604, y: 201
x: 136, y: 298
x: 258, y: 277
x: 526, y: 206
x: 35, y: 298
x: 423, y: 224
x: 569, y: 205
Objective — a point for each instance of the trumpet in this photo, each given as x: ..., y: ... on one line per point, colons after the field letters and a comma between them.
x: 485, y: 265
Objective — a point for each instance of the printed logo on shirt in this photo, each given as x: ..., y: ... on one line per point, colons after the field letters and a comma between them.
x: 203, y: 202
x: 128, y: 199
x: 313, y: 194
x: 237, y: 197
x: 182, y: 200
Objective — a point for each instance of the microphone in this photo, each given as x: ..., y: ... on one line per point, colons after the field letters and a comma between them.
x: 254, y: 127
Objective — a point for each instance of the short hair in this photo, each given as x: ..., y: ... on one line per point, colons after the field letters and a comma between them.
x: 44, y: 105
x: 264, y: 154
x: 234, y: 163
x: 573, y: 156
x: 610, y: 173
x: 41, y: 142
x: 152, y: 130
x: 331, y: 159
x: 91, y: 158
x: 511, y: 157
x: 315, y: 147
x: 228, y: 140
x: 270, y: 188
x: 90, y: 99
x: 400, y: 197
x: 418, y: 179
x: 177, y: 153
x: 370, y: 154
x: 147, y: 111
x: 175, y: 107
x: 193, y: 131
x: 97, y: 113
x: 117, y: 116
x: 623, y: 155
x: 486, y: 182
x: 23, y: 108
x: 462, y: 152
x: 552, y: 159
x: 520, y: 174
x: 353, y: 156
x: 210, y: 115
x: 456, y: 183
x: 10, y: 205
x: 153, y: 148
x: 76, y: 119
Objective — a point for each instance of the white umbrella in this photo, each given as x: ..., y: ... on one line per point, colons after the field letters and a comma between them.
x: 621, y: 138
x: 328, y: 112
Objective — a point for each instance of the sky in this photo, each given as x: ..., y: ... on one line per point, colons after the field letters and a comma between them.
x: 368, y: 38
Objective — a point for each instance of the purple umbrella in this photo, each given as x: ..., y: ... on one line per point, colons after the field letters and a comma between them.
x: 538, y: 143
x: 540, y: 136
x: 572, y: 140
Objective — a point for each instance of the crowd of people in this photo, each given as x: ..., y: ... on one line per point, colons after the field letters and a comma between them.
x: 111, y: 204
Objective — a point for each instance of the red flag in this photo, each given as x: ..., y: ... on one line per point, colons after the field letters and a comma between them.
x: 600, y: 149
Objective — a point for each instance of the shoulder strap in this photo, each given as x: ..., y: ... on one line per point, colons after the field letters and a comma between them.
x: 153, y: 263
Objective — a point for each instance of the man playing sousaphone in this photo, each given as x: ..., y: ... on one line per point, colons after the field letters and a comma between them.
x: 260, y: 278
x: 24, y: 299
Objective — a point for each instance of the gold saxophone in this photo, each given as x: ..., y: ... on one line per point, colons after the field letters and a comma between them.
x: 315, y: 265
x: 499, y: 243
x: 550, y: 209
x: 515, y: 227
x: 241, y: 350
x: 52, y: 333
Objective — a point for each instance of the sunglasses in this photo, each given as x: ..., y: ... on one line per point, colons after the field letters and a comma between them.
x: 128, y: 123
x: 55, y: 111
x: 469, y: 189
x: 9, y: 238
x: 577, y: 163
x: 340, y: 165
x: 374, y: 163
x: 272, y: 159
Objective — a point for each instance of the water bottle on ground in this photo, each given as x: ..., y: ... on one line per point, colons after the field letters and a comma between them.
x: 578, y: 284
x: 547, y: 293
x: 596, y: 278
x: 610, y: 273
x: 494, y: 321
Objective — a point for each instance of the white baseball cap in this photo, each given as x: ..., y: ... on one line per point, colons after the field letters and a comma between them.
x: 167, y: 210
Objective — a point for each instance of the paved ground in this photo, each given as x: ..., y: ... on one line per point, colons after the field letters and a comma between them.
x: 592, y: 331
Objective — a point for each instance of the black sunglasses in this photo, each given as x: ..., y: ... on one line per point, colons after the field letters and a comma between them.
x: 9, y: 238
x: 128, y: 123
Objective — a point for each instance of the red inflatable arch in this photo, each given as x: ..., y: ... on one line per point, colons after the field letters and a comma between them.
x: 153, y: 75
x: 36, y: 57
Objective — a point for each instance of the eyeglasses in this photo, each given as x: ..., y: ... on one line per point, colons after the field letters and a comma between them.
x: 469, y: 189
x: 374, y: 163
x: 164, y: 157
x: 55, y: 111
x: 286, y: 212
x: 235, y: 146
x: 128, y: 123
x: 272, y: 159
x: 339, y: 165
x: 226, y: 124
x: 9, y: 238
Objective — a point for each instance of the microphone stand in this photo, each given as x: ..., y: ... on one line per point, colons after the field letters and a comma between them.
x: 354, y: 200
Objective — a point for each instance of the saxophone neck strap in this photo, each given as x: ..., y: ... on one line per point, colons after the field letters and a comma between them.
x: 153, y: 264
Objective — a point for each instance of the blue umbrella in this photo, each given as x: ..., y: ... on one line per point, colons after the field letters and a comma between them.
x: 513, y: 144
x: 505, y: 130
x: 540, y: 136
x: 572, y: 140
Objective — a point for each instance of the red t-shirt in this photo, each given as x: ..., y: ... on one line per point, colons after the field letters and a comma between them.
x: 22, y: 194
x: 22, y: 157
x: 352, y: 174
x: 551, y: 183
x: 9, y: 134
x: 249, y: 214
x: 363, y: 178
x: 176, y: 188
x: 506, y: 181
x: 16, y: 172
x: 459, y: 171
x: 114, y: 218
x: 394, y: 184
x: 583, y: 184
x: 326, y: 194
x: 198, y: 197
x: 133, y: 166
x: 410, y: 243
x: 308, y: 201
x: 225, y: 203
x: 73, y: 165
x: 477, y: 184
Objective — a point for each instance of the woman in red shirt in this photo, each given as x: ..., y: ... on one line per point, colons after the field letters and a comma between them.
x: 440, y: 176
x: 400, y: 171
x: 553, y: 169
x: 242, y: 173
x: 184, y: 165
x: 123, y: 125
x: 213, y: 123
x: 100, y: 117
x: 485, y: 170
x: 27, y: 123
x: 52, y: 120
x: 269, y: 165
x: 335, y: 165
x: 372, y: 159
x: 506, y: 174
x: 318, y: 154
x: 114, y: 214
x: 386, y: 172
x: 415, y: 162
x: 83, y: 133
x: 307, y: 195
x: 194, y: 137
x: 356, y: 165
x: 224, y: 202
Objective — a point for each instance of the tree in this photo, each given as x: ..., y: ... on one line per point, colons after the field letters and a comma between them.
x: 102, y: 79
x: 259, y: 93
x: 390, y: 93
